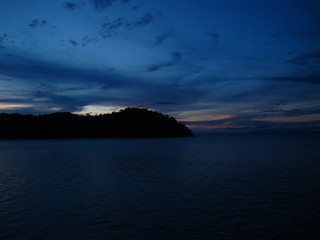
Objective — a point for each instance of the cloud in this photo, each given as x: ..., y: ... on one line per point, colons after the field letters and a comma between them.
x: 214, y: 36
x: 300, y: 111
x: 161, y: 38
x: 164, y: 103
x: 49, y: 86
x: 72, y: 5
x: 4, y: 38
x: 251, y: 123
x: 109, y: 29
x: 175, y: 58
x: 307, y: 79
x: 137, y: 6
x: 121, y: 25
x: 74, y: 43
x: 102, y: 4
x: 37, y: 23
x: 306, y: 59
x: 41, y: 70
x: 145, y: 20
x: 277, y: 34
x: 313, y: 35
x: 32, y: 97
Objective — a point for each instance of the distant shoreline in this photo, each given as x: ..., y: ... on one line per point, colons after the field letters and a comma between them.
x: 127, y: 123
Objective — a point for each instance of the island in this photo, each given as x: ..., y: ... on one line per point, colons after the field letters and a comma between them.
x: 127, y: 123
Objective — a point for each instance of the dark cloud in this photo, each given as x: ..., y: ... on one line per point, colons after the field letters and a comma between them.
x: 43, y: 100
x: 70, y: 89
x: 137, y: 6
x: 72, y: 5
x: 277, y: 34
x: 4, y: 37
x: 56, y: 99
x: 214, y: 36
x: 145, y: 20
x: 34, y: 23
x: 88, y: 40
x: 273, y: 37
x: 102, y: 4
x: 83, y: 86
x: 164, y: 103
x: 268, y: 42
x: 37, y: 23
x: 41, y: 70
x: 313, y: 35
x: 175, y: 58
x: 306, y: 59
x: 74, y: 43
x: 300, y: 111
x: 240, y: 96
x: 163, y: 37
x: 121, y: 25
x: 306, y: 79
x: 110, y: 29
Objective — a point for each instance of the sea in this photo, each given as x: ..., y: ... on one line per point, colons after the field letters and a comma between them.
x: 259, y: 186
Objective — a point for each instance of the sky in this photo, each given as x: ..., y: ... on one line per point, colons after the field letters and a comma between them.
x: 216, y: 65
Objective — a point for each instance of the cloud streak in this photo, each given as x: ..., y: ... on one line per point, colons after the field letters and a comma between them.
x: 121, y: 25
x: 72, y: 6
x: 306, y: 58
x: 214, y: 36
x: 59, y: 87
x: 308, y: 79
x: 247, y: 123
x: 103, y: 4
x: 162, y: 38
x: 175, y: 58
x: 37, y: 23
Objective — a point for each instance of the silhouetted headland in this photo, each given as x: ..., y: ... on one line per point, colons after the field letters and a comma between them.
x: 127, y: 123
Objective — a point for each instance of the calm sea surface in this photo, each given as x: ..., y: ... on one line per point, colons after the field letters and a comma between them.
x: 244, y: 186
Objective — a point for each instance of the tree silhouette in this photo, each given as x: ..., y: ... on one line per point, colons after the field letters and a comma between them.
x: 127, y: 123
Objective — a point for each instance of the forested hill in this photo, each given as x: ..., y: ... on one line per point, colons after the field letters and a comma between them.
x: 127, y: 123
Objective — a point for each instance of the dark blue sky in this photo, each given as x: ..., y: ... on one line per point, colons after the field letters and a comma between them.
x: 240, y: 65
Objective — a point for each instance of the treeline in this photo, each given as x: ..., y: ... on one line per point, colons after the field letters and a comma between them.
x: 127, y: 123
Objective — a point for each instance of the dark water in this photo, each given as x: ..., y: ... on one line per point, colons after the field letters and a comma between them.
x: 245, y: 186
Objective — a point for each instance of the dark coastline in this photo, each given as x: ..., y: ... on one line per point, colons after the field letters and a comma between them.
x: 127, y: 123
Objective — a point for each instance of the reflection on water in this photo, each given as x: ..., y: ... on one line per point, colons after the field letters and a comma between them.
x: 254, y: 186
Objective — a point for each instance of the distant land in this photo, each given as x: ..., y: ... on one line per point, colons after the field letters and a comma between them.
x: 127, y: 123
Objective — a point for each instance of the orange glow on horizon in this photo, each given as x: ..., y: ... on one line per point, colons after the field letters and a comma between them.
x: 294, y: 119
x: 11, y: 106
x: 202, y: 115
